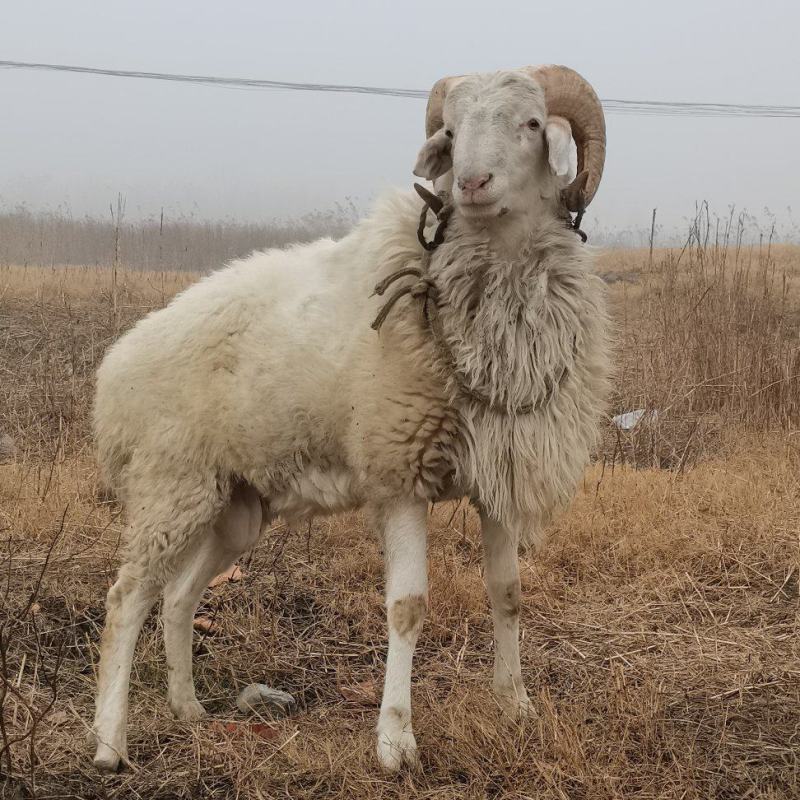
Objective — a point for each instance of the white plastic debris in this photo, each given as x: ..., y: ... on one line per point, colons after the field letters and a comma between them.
x: 630, y: 419
x: 7, y: 448
x: 260, y: 698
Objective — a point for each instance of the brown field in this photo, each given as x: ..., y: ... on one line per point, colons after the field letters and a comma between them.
x: 660, y: 623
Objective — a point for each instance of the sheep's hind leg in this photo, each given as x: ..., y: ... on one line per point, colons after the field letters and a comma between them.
x: 501, y: 568
x: 235, y: 531
x: 406, y: 604
x: 168, y: 510
x: 127, y: 605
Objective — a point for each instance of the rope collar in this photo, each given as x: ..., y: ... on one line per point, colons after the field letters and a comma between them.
x: 575, y: 225
x: 437, y: 205
x: 423, y: 288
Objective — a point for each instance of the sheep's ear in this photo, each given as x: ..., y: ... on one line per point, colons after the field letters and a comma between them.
x: 435, y: 157
x: 558, y: 134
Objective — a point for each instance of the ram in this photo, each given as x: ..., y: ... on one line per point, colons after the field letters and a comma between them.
x: 289, y: 384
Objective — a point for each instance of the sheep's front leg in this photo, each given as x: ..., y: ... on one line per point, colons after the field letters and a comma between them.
x: 501, y: 568
x: 406, y: 603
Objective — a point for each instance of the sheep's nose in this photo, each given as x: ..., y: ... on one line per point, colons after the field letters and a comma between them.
x: 477, y: 182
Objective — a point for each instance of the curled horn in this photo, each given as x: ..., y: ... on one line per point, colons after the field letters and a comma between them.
x: 568, y: 95
x: 434, y: 114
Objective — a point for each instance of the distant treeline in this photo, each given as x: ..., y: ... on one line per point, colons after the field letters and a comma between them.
x: 54, y: 238
x: 57, y: 238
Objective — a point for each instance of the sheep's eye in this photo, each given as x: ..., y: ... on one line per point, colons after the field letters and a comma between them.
x: 533, y: 124
x: 448, y: 133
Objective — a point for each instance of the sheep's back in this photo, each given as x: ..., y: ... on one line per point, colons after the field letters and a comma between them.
x: 253, y: 367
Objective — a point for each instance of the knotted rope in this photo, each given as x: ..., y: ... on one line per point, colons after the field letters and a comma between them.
x: 575, y: 225
x: 424, y: 286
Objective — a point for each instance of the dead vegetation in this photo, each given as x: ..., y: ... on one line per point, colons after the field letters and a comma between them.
x: 660, y: 645
x: 709, y: 338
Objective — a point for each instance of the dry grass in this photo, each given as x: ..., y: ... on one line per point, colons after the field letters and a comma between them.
x: 709, y: 344
x: 660, y: 624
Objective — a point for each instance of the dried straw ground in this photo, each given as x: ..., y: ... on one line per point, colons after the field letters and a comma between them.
x: 660, y: 624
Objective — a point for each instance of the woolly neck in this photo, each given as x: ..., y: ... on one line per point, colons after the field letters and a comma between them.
x: 503, y: 318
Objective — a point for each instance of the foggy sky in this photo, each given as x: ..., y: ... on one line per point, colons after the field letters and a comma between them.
x: 77, y: 140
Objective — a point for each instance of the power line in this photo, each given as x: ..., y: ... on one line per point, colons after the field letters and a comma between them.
x: 212, y: 80
x: 611, y: 105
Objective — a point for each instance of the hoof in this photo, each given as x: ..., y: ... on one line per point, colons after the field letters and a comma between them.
x: 397, y: 747
x: 107, y: 759
x: 188, y: 711
x: 516, y: 706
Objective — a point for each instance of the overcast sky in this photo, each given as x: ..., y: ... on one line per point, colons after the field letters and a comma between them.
x: 214, y: 152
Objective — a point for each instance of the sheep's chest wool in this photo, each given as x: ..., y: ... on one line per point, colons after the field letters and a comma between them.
x: 513, y: 371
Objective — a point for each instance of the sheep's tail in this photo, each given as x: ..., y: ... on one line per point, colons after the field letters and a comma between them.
x: 112, y: 454
x: 111, y: 462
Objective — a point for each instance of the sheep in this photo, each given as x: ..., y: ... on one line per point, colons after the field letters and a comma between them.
x: 263, y: 391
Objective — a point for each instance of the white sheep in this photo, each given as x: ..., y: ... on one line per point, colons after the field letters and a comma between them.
x: 263, y: 390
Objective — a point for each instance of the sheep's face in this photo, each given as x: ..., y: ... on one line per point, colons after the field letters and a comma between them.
x: 504, y: 152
